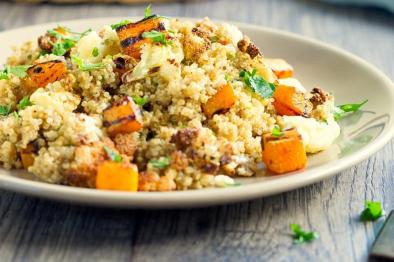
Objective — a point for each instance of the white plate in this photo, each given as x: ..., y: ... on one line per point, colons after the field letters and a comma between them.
x: 348, y: 77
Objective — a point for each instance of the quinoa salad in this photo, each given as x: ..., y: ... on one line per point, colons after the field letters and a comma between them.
x: 159, y: 104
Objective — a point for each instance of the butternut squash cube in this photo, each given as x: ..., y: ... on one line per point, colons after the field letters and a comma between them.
x: 124, y: 116
x: 130, y: 35
x: 27, y: 155
x: 284, y: 153
x: 117, y: 176
x: 43, y: 74
x: 289, y: 102
x: 222, y: 101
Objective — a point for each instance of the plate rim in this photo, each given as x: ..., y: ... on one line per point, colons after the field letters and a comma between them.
x: 214, y: 196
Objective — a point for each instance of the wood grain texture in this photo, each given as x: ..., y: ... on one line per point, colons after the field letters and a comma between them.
x: 39, y: 230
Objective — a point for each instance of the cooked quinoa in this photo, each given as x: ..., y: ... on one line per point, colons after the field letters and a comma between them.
x: 63, y: 134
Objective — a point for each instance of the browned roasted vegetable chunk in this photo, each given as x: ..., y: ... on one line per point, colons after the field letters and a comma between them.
x: 184, y: 138
x: 289, y: 102
x: 124, y: 116
x: 45, y: 42
x: 126, y: 144
x: 245, y: 46
x: 222, y: 101
x: 27, y: 154
x: 43, y: 74
x: 284, y: 153
x: 195, y: 44
x: 130, y: 35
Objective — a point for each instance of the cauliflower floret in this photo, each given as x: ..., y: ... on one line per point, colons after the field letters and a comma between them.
x: 158, y: 56
x: 86, y: 46
x: 59, y: 101
x: 316, y: 136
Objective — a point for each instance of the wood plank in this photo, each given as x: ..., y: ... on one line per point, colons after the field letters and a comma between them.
x: 39, y: 230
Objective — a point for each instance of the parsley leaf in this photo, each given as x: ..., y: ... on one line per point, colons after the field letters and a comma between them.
x: 4, y: 75
x: 214, y: 39
x: 341, y: 111
x: 24, y: 102
x: 300, y: 236
x: 5, y: 110
x: 85, y: 66
x: 157, y: 37
x: 64, y: 43
x: 372, y: 211
x: 257, y: 83
x: 62, y: 47
x: 121, y: 23
x: 235, y: 184
x: 276, y: 131
x: 160, y: 163
x: 19, y: 71
x: 95, y: 52
x: 113, y: 155
x: 140, y: 100
x: 148, y: 11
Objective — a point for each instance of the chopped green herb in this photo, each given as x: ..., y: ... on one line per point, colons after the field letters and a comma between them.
x: 64, y: 43
x: 62, y: 47
x: 24, y: 102
x: 148, y: 11
x: 113, y: 155
x: 214, y: 39
x: 276, y: 131
x: 5, y: 110
x: 42, y: 53
x: 121, y: 23
x: 235, y: 184
x: 4, y: 75
x: 15, y: 114
x: 257, y: 84
x: 372, y: 211
x: 95, y: 52
x: 341, y: 111
x: 19, y: 71
x: 140, y: 100
x: 160, y: 163
x: 85, y: 66
x: 157, y: 37
x: 300, y: 236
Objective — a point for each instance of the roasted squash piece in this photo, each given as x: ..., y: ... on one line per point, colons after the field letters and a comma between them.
x: 43, y: 74
x: 117, y: 176
x: 280, y: 68
x: 284, y: 153
x: 130, y: 35
x: 290, y: 102
x: 27, y: 155
x: 222, y: 101
x: 124, y: 116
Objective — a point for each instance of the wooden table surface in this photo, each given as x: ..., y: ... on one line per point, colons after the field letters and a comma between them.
x: 39, y: 230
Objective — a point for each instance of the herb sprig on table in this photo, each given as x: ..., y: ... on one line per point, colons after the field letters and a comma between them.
x: 373, y: 211
x: 300, y: 236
